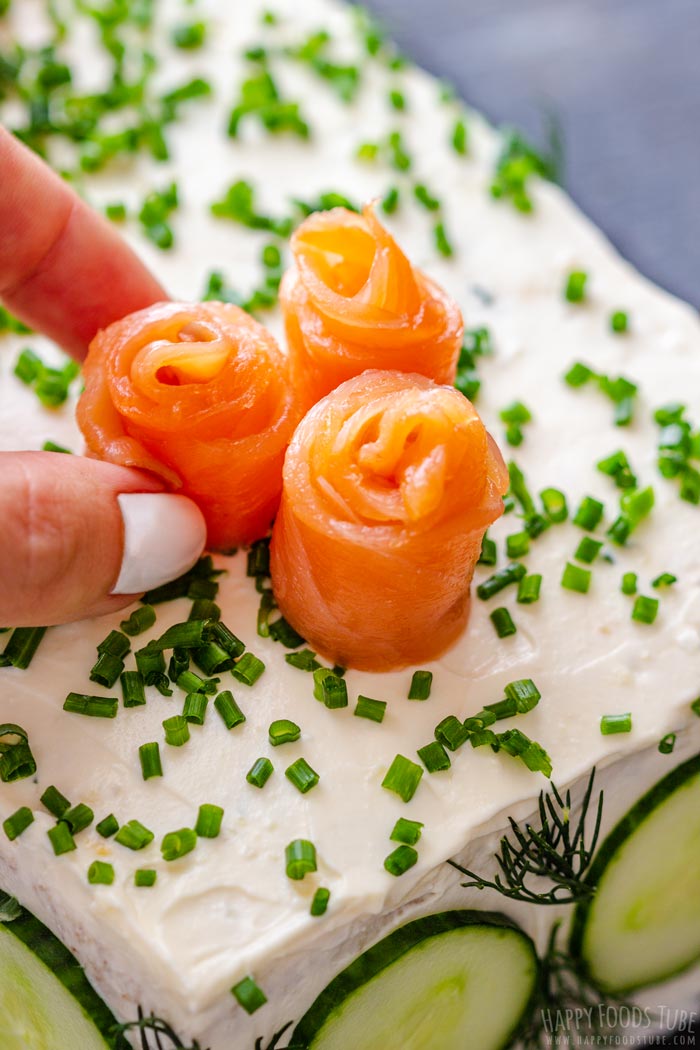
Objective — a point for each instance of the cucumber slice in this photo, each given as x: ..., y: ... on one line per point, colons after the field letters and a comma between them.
x: 46, y: 1001
x: 443, y: 982
x: 643, y: 923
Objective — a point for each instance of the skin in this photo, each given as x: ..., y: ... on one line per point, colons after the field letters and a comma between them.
x: 67, y: 273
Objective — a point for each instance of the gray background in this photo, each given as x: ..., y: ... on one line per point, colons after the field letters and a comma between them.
x: 622, y: 77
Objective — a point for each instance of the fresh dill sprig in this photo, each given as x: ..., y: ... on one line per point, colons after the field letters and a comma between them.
x: 557, y: 851
x: 156, y: 1027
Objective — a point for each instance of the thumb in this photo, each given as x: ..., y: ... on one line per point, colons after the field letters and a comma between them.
x: 83, y: 538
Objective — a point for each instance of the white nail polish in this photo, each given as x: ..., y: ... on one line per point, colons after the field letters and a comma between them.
x: 163, y: 537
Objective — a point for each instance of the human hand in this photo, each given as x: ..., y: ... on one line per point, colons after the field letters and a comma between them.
x: 80, y: 537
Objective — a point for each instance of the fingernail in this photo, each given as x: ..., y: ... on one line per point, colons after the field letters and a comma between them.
x: 163, y: 537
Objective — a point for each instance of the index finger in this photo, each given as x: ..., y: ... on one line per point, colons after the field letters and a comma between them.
x: 64, y: 269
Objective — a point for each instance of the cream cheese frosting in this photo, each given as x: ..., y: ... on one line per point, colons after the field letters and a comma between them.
x: 228, y: 909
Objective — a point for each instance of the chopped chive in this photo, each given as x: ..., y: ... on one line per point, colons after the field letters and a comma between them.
x: 399, y: 157
x: 397, y: 100
x: 481, y: 720
x: 212, y: 659
x: 195, y: 708
x: 367, y: 151
x: 150, y: 662
x: 108, y: 826
x: 442, y: 241
x: 529, y: 589
x: 533, y: 755
x: 229, y: 710
x: 578, y: 375
x: 589, y: 514
x: 248, y: 669
x: 666, y: 579
x: 22, y: 646
x: 512, y: 573
x: 434, y: 757
x: 334, y: 690
x: 425, y: 197
x: 645, y: 609
x: 177, y: 730
x: 54, y: 801
x: 517, y: 544
x: 116, y: 211
x: 18, y: 822
x: 107, y: 670
x: 190, y: 682
x: 575, y: 288
x: 139, y: 621
x: 421, y: 684
x: 400, y: 860
x: 149, y: 756
x: 283, y: 731
x: 489, y: 551
x: 574, y: 578
x: 390, y: 201
x: 145, y: 877
x: 134, y: 835
x: 637, y: 504
x: 515, y: 412
x: 503, y: 708
x: 695, y: 707
x: 300, y: 858
x: 78, y: 818
x: 116, y: 644
x: 260, y: 772
x: 133, y: 689
x: 61, y: 839
x: 610, y: 724
x: 503, y: 622
x: 204, y: 609
x: 525, y: 694
x: 302, y: 775
x: 619, y: 322
x: 629, y: 583
x: 93, y: 706
x: 369, y: 708
x: 406, y: 831
x: 305, y: 660
x: 460, y: 141
x: 224, y: 637
x: 188, y: 635
x: 161, y: 682
x: 667, y: 743
x: 282, y: 631
x: 617, y: 467
x: 554, y: 503
x: 588, y: 550
x: 403, y: 777
x: 209, y: 820
x: 249, y: 995
x: 179, y: 663
x: 189, y: 35
x: 51, y: 446
x: 319, y: 904
x: 177, y: 844
x: 620, y: 530
x: 258, y: 563
x: 451, y: 733
x: 100, y: 873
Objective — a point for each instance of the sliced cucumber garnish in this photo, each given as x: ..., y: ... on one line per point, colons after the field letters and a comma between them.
x: 643, y: 923
x: 444, y: 982
x: 46, y: 1001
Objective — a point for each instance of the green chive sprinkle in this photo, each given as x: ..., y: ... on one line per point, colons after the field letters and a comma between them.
x: 589, y: 514
x: 249, y: 995
x: 460, y: 141
x: 512, y: 573
x: 421, y: 684
x: 442, y: 241
x: 645, y: 609
x: 107, y: 670
x: 100, y: 873
x: 51, y: 446
x: 578, y: 375
x: 517, y: 544
x: 300, y: 858
x: 55, y: 802
x: 619, y: 321
x: 203, y: 609
x: 133, y: 688
x: 212, y: 659
x: 695, y: 707
x: 588, y: 550
x: 248, y: 669
x: 61, y: 839
x: 503, y: 708
x: 425, y: 197
x: 402, y: 858
x: 190, y: 35
x: 302, y: 775
x: 190, y: 682
x: 610, y: 724
x: 177, y: 730
x: 145, y: 877
x: 188, y: 635
x: 629, y: 583
x: 139, y: 621
x: 18, y: 822
x: 116, y: 644
x: 195, y: 708
x: 22, y: 646
x: 319, y: 904
x: 334, y: 691
x: 525, y: 694
x: 149, y: 756
x: 177, y: 844
x: 371, y: 709
x: 451, y: 733
x: 78, y: 818
x: 554, y: 503
x: 260, y: 772
x: 575, y: 578
x: 149, y: 662
x: 503, y: 622
x: 403, y: 777
x: 283, y: 731
x: 108, y: 826
x: 134, y: 835
x: 666, y: 579
x: 209, y: 820
x: 575, y: 288
x: 229, y: 710
x: 489, y: 551
x: 434, y: 757
x: 529, y: 589
x: 667, y: 743
x: 617, y: 467
x: 397, y: 100
x: 93, y: 706
x: 390, y: 201
x: 406, y: 831
x: 305, y: 660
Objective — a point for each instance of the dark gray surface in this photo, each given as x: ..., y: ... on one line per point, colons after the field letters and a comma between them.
x: 622, y: 76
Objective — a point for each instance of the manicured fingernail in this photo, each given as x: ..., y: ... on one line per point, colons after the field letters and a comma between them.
x: 163, y: 537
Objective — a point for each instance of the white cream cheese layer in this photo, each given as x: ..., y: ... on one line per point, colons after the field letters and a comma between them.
x: 228, y: 909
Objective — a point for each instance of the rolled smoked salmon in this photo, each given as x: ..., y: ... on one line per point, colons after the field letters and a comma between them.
x: 352, y: 301
x: 198, y: 393
x: 389, y: 485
